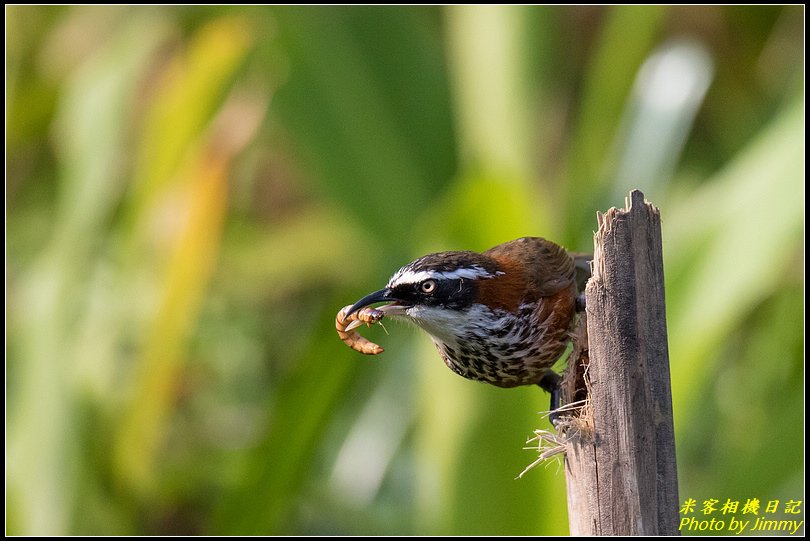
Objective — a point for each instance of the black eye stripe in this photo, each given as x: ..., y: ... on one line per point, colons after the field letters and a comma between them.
x: 453, y: 294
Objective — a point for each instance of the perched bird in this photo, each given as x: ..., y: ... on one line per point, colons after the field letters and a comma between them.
x: 503, y: 316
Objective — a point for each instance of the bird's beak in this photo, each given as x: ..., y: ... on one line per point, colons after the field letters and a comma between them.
x: 383, y: 295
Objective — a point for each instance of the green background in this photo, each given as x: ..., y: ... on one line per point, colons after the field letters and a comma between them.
x: 193, y: 192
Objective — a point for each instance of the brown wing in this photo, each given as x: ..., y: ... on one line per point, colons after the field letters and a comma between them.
x: 548, y: 268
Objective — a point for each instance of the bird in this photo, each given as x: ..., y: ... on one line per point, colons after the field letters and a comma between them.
x: 503, y: 316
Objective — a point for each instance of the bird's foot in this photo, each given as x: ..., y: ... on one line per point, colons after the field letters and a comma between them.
x: 550, y: 382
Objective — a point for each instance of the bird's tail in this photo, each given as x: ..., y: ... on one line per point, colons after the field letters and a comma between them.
x: 582, y: 265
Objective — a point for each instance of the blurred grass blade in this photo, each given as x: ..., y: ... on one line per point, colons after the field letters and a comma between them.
x: 478, y: 212
x: 381, y: 153
x: 626, y: 38
x: 273, y: 472
x: 178, y: 214
x: 490, y: 88
x: 668, y: 92
x: 193, y: 87
x: 90, y: 143
x: 202, y: 204
x: 722, y: 257
x: 494, y: 115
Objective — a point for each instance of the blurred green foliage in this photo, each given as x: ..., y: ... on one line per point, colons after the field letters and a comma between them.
x: 193, y: 192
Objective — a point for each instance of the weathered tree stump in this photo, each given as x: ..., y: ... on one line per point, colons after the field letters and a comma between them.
x: 620, y: 454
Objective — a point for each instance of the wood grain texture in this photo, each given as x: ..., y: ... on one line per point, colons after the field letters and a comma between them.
x: 622, y: 477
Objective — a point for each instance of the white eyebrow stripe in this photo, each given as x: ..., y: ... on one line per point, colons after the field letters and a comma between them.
x: 405, y: 276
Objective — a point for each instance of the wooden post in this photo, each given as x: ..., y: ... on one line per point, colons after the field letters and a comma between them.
x: 620, y: 456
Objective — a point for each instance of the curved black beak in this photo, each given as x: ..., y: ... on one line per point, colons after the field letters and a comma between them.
x: 383, y: 295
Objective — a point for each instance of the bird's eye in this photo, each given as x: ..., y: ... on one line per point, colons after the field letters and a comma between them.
x: 428, y: 286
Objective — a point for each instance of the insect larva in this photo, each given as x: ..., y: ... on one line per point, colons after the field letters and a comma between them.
x: 345, y: 329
